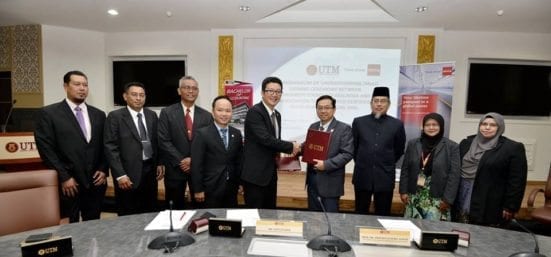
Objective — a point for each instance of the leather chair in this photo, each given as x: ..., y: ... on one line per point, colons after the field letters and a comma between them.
x: 542, y: 214
x: 28, y: 200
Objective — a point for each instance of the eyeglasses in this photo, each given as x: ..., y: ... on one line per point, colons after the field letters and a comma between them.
x: 380, y: 101
x: 188, y: 88
x: 273, y: 92
x: 324, y: 108
x: 136, y: 95
x: 486, y: 124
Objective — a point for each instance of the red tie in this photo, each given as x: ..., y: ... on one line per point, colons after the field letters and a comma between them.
x: 189, y: 124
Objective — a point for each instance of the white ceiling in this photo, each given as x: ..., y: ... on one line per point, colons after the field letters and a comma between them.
x: 151, y: 15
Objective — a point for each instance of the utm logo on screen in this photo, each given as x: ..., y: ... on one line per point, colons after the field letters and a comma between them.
x: 311, y: 70
x: 373, y: 70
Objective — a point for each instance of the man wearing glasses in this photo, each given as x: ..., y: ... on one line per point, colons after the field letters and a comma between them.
x: 379, y: 142
x: 325, y: 178
x: 262, y: 145
x: 176, y: 125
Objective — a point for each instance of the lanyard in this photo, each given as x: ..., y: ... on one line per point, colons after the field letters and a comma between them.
x: 424, y: 160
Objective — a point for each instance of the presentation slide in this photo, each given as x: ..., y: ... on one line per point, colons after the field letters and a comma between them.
x: 347, y: 74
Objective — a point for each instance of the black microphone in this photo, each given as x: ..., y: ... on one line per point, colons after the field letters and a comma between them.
x: 536, y: 252
x: 328, y: 242
x: 171, y: 240
x: 5, y: 124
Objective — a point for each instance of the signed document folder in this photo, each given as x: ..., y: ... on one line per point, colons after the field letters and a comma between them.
x: 316, y: 145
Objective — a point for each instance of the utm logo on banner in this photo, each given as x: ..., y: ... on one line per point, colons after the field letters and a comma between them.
x: 12, y: 147
x: 447, y: 71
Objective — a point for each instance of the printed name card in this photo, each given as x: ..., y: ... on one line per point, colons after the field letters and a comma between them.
x: 279, y: 228
x: 379, y: 236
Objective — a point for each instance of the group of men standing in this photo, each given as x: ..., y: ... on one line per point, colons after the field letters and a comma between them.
x: 194, y: 149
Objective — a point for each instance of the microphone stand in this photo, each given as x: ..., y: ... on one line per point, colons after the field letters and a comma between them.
x: 171, y: 240
x: 5, y: 124
x: 536, y: 252
x: 328, y: 242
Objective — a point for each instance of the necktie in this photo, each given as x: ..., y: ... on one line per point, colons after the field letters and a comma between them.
x: 80, y: 119
x: 274, y: 123
x: 224, y: 137
x: 321, y: 128
x: 146, y: 144
x: 189, y: 124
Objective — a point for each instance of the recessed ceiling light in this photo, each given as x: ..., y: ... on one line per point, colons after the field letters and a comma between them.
x: 244, y: 8
x: 113, y: 12
x: 500, y: 12
x: 421, y: 9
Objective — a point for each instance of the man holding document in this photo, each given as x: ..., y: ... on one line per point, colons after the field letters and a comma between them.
x: 325, y: 177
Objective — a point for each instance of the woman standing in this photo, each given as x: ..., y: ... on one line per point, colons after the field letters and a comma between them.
x: 430, y: 172
x: 493, y: 175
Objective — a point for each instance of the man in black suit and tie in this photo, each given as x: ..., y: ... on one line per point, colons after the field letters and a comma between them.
x: 177, y: 124
x: 216, y: 152
x: 69, y: 138
x: 130, y: 136
x: 262, y: 145
x: 325, y: 178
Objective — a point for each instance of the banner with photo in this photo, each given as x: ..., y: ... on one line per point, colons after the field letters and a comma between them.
x: 425, y: 88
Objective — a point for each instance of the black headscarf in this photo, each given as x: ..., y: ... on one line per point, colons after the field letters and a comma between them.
x: 428, y: 143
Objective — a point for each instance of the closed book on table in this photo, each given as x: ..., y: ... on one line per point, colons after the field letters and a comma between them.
x: 316, y: 145
x: 287, y: 162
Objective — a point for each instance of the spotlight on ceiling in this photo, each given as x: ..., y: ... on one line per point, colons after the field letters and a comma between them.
x: 244, y: 8
x: 113, y: 12
x: 421, y: 9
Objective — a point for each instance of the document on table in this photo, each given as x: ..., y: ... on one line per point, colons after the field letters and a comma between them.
x: 162, y: 221
x: 278, y: 247
x: 402, y: 224
x: 248, y: 217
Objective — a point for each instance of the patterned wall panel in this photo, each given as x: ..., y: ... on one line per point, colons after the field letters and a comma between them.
x: 26, y: 66
x: 6, y: 45
x: 225, y: 61
x: 425, y: 48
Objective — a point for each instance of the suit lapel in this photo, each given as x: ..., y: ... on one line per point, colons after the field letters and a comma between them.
x: 129, y: 121
x: 180, y: 118
x: 267, y: 118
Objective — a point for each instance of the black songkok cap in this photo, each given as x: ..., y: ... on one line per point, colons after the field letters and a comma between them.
x: 381, y: 91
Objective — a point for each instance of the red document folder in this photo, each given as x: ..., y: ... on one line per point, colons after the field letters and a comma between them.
x: 287, y: 162
x: 316, y: 145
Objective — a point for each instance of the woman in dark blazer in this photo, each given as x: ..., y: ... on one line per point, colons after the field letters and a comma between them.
x: 430, y: 172
x: 493, y: 175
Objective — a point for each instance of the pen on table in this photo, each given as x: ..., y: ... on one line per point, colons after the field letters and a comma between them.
x: 183, y: 214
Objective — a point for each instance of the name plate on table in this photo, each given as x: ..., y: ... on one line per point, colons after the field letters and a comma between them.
x: 279, y: 228
x: 225, y: 227
x: 441, y: 241
x: 379, y: 236
x: 316, y: 146
x: 53, y: 247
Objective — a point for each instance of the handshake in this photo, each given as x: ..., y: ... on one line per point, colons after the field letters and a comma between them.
x: 297, y: 148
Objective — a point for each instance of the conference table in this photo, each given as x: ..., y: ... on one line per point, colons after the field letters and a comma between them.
x: 125, y: 236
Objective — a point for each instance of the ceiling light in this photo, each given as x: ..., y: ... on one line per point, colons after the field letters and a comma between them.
x: 244, y: 8
x: 500, y: 13
x: 421, y: 8
x: 113, y: 12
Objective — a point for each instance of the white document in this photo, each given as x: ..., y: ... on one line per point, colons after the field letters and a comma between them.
x: 402, y: 224
x: 248, y: 217
x: 278, y: 247
x: 162, y: 221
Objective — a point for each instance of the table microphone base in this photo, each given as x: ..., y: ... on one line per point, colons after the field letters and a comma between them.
x: 527, y: 254
x: 171, y: 240
x: 329, y: 242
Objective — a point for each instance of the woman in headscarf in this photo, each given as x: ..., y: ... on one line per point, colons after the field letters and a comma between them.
x: 493, y: 175
x: 430, y: 172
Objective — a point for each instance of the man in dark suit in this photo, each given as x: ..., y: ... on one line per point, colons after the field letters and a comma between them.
x: 130, y: 136
x: 216, y: 152
x: 177, y: 123
x: 69, y: 138
x: 325, y: 178
x: 262, y: 145
x: 379, y: 142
